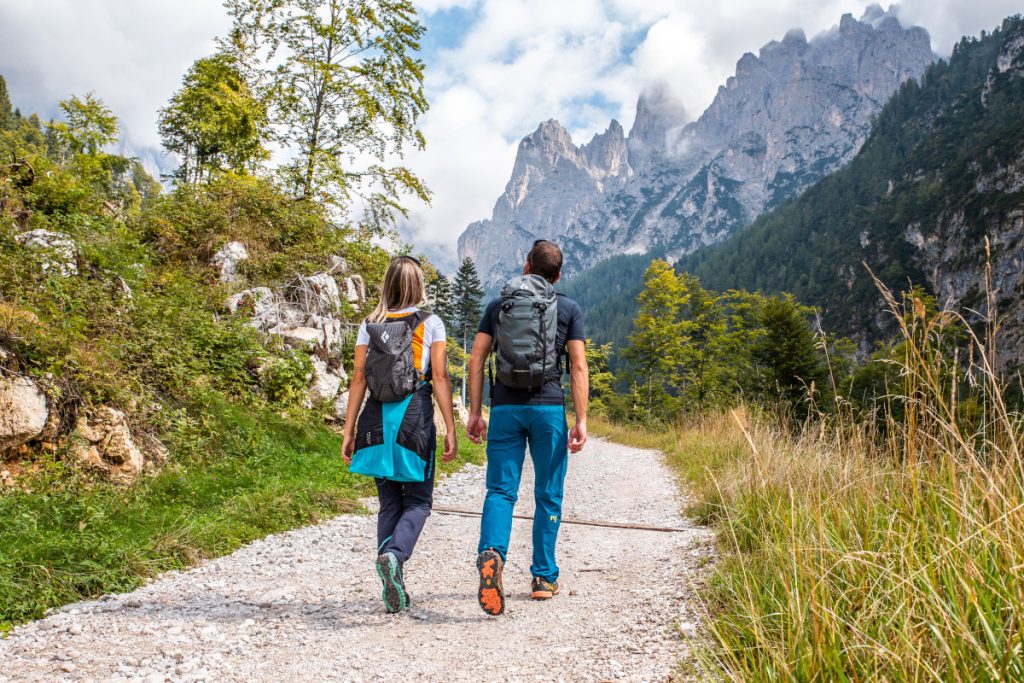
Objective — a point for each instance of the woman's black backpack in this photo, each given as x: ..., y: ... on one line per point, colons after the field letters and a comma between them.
x: 391, y: 372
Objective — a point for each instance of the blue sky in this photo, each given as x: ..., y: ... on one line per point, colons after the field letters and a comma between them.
x: 495, y: 69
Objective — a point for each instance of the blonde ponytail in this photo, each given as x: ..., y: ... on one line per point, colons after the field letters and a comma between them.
x: 403, y: 288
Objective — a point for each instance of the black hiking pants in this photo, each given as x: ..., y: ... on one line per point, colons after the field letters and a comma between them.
x: 404, y: 508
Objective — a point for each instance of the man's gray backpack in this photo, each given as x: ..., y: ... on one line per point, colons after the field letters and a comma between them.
x: 391, y: 373
x: 525, y: 338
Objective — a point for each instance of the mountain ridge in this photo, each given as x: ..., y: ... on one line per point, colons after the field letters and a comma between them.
x: 791, y: 114
x: 934, y: 198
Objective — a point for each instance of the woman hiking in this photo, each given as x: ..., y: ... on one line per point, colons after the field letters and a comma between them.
x: 401, y: 358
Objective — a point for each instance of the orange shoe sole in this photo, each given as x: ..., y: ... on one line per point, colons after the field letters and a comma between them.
x: 543, y: 594
x: 491, y: 594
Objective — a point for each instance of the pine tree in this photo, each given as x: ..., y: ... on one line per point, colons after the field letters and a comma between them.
x: 439, y: 296
x: 467, y: 295
x: 788, y: 355
x: 6, y: 114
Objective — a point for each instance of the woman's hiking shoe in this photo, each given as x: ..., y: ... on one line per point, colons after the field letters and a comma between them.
x: 394, y: 594
x: 543, y: 590
x: 491, y: 594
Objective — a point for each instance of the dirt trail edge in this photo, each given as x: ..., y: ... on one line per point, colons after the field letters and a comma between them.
x: 304, y: 605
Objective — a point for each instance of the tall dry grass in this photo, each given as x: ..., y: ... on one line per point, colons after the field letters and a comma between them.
x: 862, y: 550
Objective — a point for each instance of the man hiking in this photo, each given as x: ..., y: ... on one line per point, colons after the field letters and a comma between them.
x: 531, y: 330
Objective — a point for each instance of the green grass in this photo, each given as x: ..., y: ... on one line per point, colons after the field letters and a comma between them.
x: 847, y: 556
x: 236, y: 475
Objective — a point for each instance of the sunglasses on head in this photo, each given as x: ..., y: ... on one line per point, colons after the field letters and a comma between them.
x: 410, y: 258
x: 536, y: 242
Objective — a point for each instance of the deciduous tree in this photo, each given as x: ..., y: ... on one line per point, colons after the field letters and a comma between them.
x: 215, y: 122
x: 346, y: 91
x: 89, y: 125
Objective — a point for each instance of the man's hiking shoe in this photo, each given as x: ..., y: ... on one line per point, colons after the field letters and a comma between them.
x: 543, y: 590
x: 491, y: 594
x: 394, y: 594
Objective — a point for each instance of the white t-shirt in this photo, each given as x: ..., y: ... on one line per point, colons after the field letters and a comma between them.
x: 430, y: 332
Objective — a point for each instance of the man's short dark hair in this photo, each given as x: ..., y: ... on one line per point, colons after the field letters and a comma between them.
x: 545, y: 259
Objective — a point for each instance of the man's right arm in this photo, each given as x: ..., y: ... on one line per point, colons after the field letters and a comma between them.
x: 477, y: 427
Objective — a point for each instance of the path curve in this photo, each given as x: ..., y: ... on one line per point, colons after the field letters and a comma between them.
x: 304, y: 605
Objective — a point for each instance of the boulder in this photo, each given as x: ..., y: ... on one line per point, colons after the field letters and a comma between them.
x: 300, y: 337
x: 61, y: 250
x: 461, y: 412
x: 267, y: 310
x: 337, y: 266
x: 315, y: 294
x: 254, y: 302
x: 326, y: 382
x: 227, y: 260
x: 355, y: 290
x: 104, y: 440
x: 341, y: 406
x: 333, y: 332
x: 23, y: 411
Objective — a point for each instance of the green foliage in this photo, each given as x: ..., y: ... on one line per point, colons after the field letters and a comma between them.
x: 286, y: 378
x: 7, y: 119
x: 656, y: 345
x: 89, y: 126
x: 787, y: 355
x: 214, y: 123
x: 283, y: 236
x: 344, y: 85
x: 607, y: 293
x: 601, y: 378
x: 467, y: 298
x: 693, y: 349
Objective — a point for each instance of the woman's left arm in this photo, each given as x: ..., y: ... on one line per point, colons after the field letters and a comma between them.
x: 443, y: 392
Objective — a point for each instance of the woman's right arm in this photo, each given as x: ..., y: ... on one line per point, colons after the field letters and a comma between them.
x: 356, y: 392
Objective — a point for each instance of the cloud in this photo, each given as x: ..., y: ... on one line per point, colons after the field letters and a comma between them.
x: 131, y: 54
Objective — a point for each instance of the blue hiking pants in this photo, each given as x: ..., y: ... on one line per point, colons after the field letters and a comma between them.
x: 512, y: 427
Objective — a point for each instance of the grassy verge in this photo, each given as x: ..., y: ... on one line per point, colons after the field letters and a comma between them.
x: 849, y: 558
x: 246, y: 474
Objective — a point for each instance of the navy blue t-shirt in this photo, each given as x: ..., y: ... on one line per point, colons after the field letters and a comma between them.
x: 570, y: 327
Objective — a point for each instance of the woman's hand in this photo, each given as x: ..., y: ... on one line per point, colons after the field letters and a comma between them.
x: 451, y: 447
x: 348, y: 447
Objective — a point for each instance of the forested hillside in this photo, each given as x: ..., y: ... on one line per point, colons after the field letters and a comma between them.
x: 941, y: 173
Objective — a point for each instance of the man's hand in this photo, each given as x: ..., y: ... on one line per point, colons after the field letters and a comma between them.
x: 348, y: 447
x: 477, y: 428
x: 578, y: 437
x: 451, y: 447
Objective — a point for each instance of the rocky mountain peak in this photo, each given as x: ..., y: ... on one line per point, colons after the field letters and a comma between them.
x: 792, y: 113
x: 606, y: 153
x: 658, y: 110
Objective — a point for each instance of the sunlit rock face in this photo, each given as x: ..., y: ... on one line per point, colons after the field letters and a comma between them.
x: 792, y: 114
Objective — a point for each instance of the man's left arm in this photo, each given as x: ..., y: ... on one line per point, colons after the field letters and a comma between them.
x: 579, y: 379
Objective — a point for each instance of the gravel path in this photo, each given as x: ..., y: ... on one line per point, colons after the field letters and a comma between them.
x: 305, y: 605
